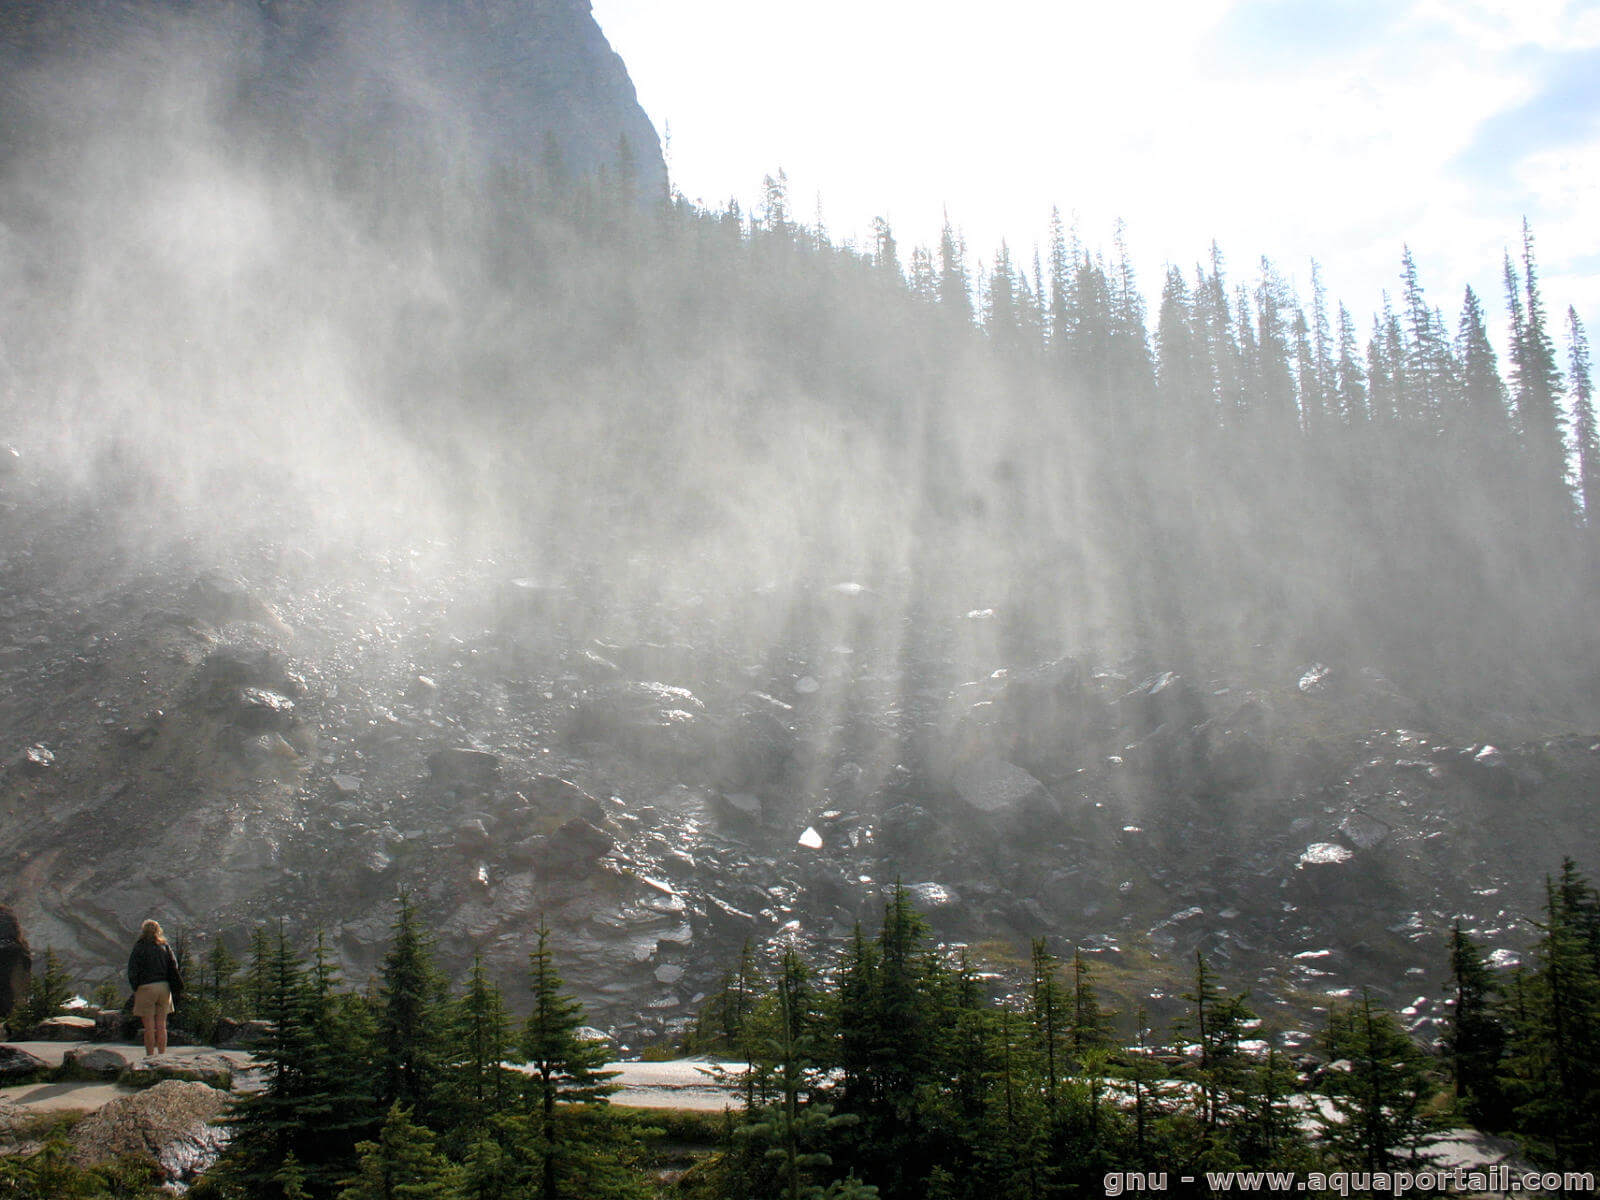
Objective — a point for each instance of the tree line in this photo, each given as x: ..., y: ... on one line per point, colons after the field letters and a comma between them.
x: 894, y: 1070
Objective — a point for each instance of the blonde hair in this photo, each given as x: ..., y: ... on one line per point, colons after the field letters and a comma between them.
x: 150, y: 931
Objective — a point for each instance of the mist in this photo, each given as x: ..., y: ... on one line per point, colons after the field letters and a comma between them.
x: 461, y: 440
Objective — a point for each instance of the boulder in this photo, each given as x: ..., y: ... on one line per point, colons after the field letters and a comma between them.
x: 458, y: 767
x: 992, y: 785
x: 64, y: 1029
x: 170, y: 1123
x: 106, y: 1062
x: 580, y: 840
x: 1363, y: 831
x: 16, y: 962
x: 241, y: 1035
x: 222, y: 598
x: 17, y: 1064
x: 215, y: 1070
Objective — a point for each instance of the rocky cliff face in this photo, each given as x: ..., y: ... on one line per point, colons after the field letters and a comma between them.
x: 221, y: 741
x: 527, y: 84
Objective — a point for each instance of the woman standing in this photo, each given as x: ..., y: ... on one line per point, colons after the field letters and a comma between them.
x: 156, y: 982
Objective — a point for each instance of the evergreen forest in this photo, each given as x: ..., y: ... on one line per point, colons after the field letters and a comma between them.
x: 898, y: 1068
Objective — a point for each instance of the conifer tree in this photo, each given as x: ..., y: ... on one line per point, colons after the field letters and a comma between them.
x: 476, y: 1085
x: 1352, y: 376
x: 565, y: 1069
x: 1537, y: 393
x: 1379, y: 1103
x: 955, y: 292
x: 403, y: 1164
x: 1474, y: 1040
x: 1585, y: 437
x: 411, y: 1016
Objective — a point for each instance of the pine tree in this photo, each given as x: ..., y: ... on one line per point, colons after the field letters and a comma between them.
x: 316, y: 1101
x: 1352, y: 375
x: 411, y: 1016
x: 402, y: 1164
x: 565, y: 1070
x: 1474, y: 1040
x: 1537, y: 392
x: 476, y: 1086
x: 955, y: 291
x: 1048, y: 1015
x: 1379, y: 1103
x: 1217, y: 1021
x: 1585, y: 436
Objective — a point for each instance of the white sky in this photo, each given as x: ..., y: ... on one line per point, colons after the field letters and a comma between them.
x: 1334, y: 129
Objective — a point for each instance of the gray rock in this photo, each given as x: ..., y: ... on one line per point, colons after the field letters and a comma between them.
x: 105, y: 1061
x: 214, y: 1070
x: 1363, y: 831
x: 17, y: 1064
x: 16, y: 961
x: 170, y: 1123
x: 241, y: 1035
x: 64, y: 1029
x: 993, y: 785
x: 463, y: 768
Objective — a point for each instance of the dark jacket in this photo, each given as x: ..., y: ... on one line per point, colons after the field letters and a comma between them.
x: 154, y: 962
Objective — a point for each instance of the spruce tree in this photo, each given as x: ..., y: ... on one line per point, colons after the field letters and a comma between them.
x: 411, y: 1016
x: 1378, y: 1102
x: 565, y: 1069
x: 1474, y: 1040
x: 402, y: 1164
x: 1585, y: 436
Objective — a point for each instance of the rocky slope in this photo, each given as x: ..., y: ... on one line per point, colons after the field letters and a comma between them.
x: 279, y: 728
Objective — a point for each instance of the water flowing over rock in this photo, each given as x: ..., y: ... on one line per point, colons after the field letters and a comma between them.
x: 170, y: 1123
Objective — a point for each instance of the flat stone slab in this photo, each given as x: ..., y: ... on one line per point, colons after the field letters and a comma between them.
x: 64, y: 1097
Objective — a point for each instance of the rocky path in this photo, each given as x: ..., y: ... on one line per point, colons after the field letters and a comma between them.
x: 109, y: 1071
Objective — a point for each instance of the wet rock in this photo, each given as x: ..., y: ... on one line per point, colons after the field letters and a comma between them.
x: 740, y: 807
x: 346, y: 785
x: 170, y: 1123
x: 1363, y: 831
x: 228, y: 670
x: 472, y: 836
x: 463, y: 768
x: 16, y: 962
x: 223, y: 598
x: 930, y: 896
x: 574, y: 850
x: 257, y: 708
x: 17, y: 1064
x: 1163, y: 699
x: 658, y: 722
x: 1314, y: 679
x: 552, y: 801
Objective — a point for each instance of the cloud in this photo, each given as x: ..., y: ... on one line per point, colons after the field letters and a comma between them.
x: 1282, y: 34
x: 1563, y: 113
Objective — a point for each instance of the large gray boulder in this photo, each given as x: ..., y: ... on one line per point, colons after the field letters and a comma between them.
x: 170, y: 1123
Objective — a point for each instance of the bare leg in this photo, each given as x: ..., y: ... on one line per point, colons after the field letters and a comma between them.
x: 149, y: 1035
x: 161, y: 1033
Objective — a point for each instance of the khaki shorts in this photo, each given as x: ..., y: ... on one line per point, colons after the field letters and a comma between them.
x: 152, y: 1000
